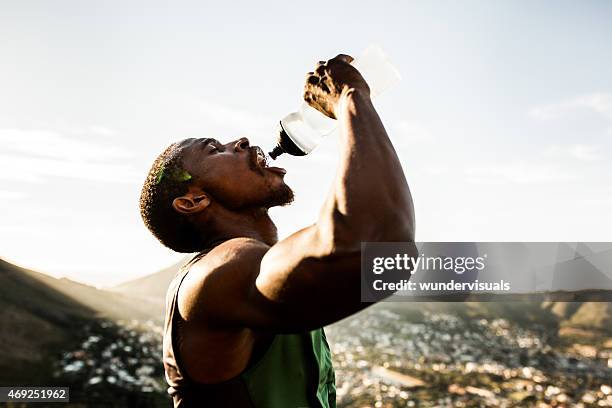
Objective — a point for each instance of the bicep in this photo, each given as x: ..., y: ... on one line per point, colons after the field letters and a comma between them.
x: 316, y: 284
x: 292, y: 286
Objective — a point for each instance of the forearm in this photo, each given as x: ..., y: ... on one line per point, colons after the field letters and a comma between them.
x: 370, y: 199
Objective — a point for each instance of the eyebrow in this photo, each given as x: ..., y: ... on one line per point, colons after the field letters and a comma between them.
x: 205, y: 142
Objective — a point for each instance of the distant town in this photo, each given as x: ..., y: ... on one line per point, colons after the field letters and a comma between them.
x: 384, y: 360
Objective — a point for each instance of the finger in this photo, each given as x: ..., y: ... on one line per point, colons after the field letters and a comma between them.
x: 320, y: 70
x: 325, y: 79
x: 312, y: 79
x: 324, y: 87
x: 310, y: 98
x: 344, y: 58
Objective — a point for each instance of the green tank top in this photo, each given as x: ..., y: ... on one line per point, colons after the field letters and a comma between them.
x: 295, y: 372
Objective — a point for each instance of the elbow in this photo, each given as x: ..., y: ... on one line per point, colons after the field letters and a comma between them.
x: 396, y: 222
x: 337, y: 235
x: 399, y: 228
x: 393, y: 225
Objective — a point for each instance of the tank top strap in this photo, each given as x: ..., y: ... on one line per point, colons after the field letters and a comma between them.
x: 175, y: 377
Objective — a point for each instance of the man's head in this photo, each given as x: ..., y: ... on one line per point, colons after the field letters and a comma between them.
x: 197, y: 185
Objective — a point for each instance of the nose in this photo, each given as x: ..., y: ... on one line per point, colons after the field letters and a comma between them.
x: 241, y: 144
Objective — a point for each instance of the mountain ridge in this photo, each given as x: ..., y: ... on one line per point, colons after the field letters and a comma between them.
x: 40, y: 315
x: 151, y: 286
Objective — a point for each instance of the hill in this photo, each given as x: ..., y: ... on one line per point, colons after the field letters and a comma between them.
x: 582, y: 315
x: 150, y: 287
x: 102, y: 303
x: 40, y: 315
x: 590, y: 316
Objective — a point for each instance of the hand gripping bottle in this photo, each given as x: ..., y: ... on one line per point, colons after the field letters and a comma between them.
x: 300, y: 132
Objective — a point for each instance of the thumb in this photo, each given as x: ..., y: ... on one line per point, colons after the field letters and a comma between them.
x: 344, y: 57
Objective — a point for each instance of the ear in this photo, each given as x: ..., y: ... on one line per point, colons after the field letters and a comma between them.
x: 191, y: 203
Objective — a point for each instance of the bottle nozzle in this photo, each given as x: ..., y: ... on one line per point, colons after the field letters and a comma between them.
x: 285, y: 145
x: 277, y: 151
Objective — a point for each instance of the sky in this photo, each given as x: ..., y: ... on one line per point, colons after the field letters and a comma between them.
x: 502, y: 120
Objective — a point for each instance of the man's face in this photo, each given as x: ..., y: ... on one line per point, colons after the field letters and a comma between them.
x: 235, y: 174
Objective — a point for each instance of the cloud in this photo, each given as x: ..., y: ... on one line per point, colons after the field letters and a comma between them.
x: 598, y: 103
x: 35, y: 169
x: 36, y: 155
x: 236, y: 119
x: 580, y: 152
x: 409, y: 131
x: 11, y: 195
x: 102, y: 131
x: 51, y: 144
x: 518, y: 173
x: 585, y: 152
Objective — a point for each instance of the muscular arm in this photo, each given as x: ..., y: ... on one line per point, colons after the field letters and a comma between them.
x: 312, y: 278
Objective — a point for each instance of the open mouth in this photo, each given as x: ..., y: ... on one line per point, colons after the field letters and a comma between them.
x: 260, y: 160
x: 260, y: 157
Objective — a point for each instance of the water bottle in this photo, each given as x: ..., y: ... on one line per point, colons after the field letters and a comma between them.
x: 300, y: 132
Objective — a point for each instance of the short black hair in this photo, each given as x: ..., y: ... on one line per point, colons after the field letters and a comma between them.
x: 167, y: 180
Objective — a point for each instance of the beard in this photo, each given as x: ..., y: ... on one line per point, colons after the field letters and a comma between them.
x: 281, y: 196
x: 278, y: 196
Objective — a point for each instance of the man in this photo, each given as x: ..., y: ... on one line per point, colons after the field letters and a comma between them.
x: 244, y: 317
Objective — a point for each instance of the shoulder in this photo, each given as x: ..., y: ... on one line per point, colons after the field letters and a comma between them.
x: 229, y: 253
x: 223, y: 276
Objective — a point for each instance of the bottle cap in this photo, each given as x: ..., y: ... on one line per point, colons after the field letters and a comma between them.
x: 285, y: 145
x: 377, y: 70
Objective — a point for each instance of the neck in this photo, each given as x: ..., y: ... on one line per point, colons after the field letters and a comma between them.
x: 251, y: 223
